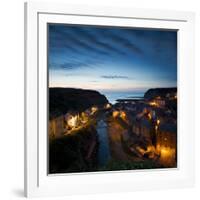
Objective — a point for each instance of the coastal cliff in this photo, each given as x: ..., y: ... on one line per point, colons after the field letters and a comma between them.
x: 161, y: 92
x: 61, y: 100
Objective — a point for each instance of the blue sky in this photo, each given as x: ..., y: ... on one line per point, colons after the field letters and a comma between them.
x: 111, y: 58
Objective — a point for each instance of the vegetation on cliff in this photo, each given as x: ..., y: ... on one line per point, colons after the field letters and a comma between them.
x: 61, y: 100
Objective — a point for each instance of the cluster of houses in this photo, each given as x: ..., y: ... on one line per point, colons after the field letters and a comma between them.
x: 66, y: 123
x: 154, y: 121
x: 71, y: 121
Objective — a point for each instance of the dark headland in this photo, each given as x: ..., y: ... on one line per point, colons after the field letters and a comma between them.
x: 62, y: 100
x: 161, y: 92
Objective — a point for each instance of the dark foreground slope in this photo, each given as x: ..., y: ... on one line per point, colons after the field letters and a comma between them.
x: 74, y: 153
x: 61, y: 100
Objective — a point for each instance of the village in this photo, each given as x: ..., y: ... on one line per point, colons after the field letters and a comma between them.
x: 148, y: 128
x: 152, y: 127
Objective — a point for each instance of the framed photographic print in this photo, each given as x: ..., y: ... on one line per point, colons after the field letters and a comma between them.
x: 108, y: 99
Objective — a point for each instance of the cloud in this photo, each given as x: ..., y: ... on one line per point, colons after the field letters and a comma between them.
x: 74, y: 64
x: 114, y: 77
x: 71, y: 65
x: 72, y: 39
x: 90, y: 40
x: 128, y: 44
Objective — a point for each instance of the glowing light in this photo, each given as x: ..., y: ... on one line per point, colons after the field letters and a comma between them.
x: 166, y: 152
x: 167, y: 156
x: 149, y: 116
x: 72, y: 122
x: 153, y: 103
x: 123, y: 115
x: 108, y: 106
x: 158, y: 147
x: 158, y: 121
x: 142, y: 151
x: 94, y: 109
x: 115, y: 114
x: 150, y: 148
x: 84, y: 118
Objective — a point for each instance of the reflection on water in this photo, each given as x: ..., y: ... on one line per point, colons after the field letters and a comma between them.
x: 103, y: 150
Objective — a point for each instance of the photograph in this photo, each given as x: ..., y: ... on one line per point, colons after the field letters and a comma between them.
x: 112, y: 98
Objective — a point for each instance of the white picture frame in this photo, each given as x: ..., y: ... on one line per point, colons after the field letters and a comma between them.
x: 37, y: 180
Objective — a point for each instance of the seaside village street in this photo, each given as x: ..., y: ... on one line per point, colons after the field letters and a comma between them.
x: 131, y: 130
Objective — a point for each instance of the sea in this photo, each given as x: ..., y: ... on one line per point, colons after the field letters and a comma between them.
x: 112, y: 96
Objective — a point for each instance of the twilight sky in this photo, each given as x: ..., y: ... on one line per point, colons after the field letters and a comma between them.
x: 108, y: 58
